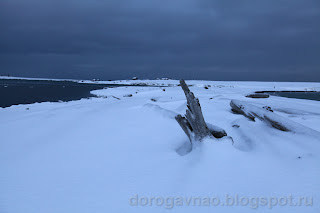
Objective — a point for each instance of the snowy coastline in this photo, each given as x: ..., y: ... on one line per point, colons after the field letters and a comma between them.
x: 94, y: 155
x: 255, y: 85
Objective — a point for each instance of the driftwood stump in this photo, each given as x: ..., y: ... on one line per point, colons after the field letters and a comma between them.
x: 193, y: 124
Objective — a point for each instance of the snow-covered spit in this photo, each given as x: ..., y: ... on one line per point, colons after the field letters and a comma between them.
x: 121, y: 152
x: 247, y: 85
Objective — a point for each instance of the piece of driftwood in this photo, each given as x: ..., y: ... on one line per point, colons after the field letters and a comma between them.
x: 239, y: 108
x: 258, y: 95
x: 264, y: 114
x: 193, y: 124
x: 267, y: 115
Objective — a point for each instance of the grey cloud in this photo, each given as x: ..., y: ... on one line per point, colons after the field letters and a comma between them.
x: 206, y: 39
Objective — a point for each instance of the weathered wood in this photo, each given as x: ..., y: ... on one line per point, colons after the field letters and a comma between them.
x: 185, y: 126
x: 194, y: 120
x: 276, y: 124
x: 267, y: 115
x: 258, y: 95
x: 238, y: 108
x: 193, y: 124
x: 194, y: 114
x: 264, y: 114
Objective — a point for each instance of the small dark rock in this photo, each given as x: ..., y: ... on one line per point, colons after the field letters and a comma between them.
x: 154, y: 100
x: 27, y: 108
x: 218, y: 134
x: 235, y: 126
x: 206, y: 87
x: 129, y: 95
x: 163, y: 90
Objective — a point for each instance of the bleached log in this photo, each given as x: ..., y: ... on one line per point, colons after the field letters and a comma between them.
x: 252, y: 112
x: 193, y: 124
x: 239, y: 108
x: 266, y: 115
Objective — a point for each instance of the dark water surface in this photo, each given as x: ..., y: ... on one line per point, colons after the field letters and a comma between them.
x: 299, y: 95
x: 14, y: 92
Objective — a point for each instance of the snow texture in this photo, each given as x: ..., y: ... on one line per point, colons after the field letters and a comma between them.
x: 96, y: 155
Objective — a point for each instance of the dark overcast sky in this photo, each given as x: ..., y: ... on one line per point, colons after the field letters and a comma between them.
x: 269, y: 40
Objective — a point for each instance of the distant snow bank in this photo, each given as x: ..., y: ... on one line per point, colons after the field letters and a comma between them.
x: 252, y: 85
x: 257, y: 85
x: 37, y: 79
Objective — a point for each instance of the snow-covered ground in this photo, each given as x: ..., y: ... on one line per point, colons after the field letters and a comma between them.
x: 117, y: 153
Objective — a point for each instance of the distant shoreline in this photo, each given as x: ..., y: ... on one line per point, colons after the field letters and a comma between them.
x: 98, y: 81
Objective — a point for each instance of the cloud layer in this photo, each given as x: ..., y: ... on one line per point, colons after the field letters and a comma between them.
x: 275, y: 40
